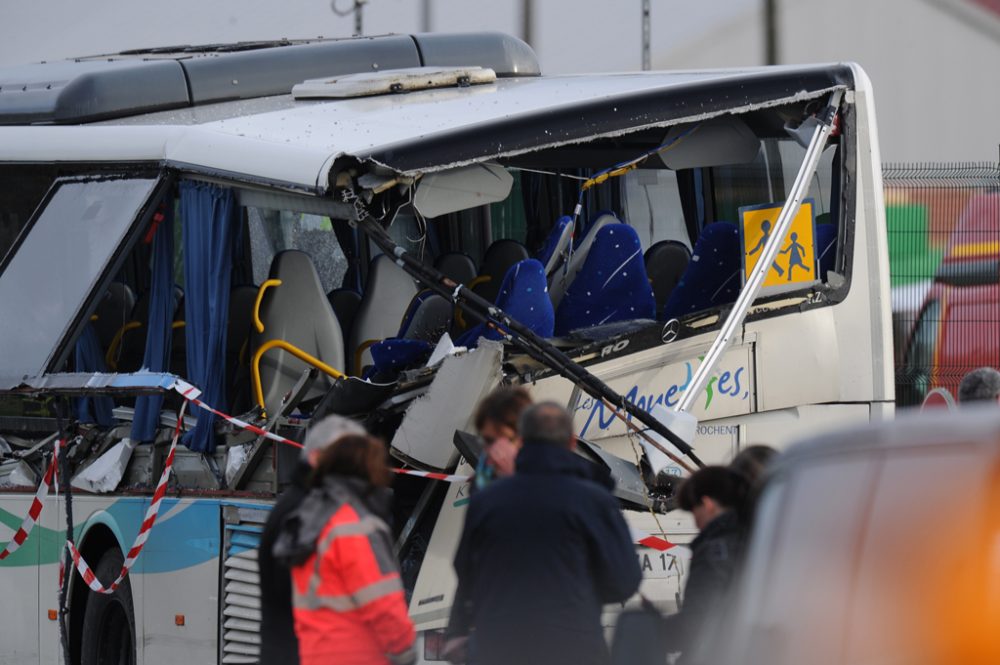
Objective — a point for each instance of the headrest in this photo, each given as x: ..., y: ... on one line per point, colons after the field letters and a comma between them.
x: 456, y: 266
x: 499, y: 257
x: 666, y: 262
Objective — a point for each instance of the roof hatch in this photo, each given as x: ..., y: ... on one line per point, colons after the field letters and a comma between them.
x: 392, y: 81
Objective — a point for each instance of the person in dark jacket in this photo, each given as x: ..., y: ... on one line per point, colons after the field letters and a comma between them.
x: 541, y: 552
x: 716, y: 496
x: 278, y: 644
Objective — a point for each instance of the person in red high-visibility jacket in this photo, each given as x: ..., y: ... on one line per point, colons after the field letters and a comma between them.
x: 347, y: 597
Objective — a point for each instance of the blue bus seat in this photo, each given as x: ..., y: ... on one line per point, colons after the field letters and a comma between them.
x: 524, y: 296
x: 713, y: 276
x: 561, y: 279
x: 611, y: 286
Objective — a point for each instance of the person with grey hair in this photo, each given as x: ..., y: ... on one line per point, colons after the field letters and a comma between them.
x: 980, y: 385
x: 541, y: 553
x: 279, y: 646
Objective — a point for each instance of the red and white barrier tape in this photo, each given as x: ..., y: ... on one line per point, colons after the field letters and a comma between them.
x: 37, y: 503
x: 147, y: 524
x: 189, y: 392
x: 448, y: 478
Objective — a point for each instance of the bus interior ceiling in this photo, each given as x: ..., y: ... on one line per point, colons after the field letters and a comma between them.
x: 657, y: 242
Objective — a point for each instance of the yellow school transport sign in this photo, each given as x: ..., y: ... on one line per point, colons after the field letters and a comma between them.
x: 796, y: 260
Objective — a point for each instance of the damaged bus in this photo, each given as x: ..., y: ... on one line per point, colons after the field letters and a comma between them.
x: 218, y: 244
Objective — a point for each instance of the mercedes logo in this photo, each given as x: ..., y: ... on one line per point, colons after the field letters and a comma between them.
x: 670, y: 331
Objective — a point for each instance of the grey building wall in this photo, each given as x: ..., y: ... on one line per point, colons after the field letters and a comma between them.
x: 933, y: 64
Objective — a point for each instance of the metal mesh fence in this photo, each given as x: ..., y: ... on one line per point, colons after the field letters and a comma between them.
x: 944, y: 261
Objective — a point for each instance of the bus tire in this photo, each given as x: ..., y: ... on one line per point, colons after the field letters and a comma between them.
x: 108, y: 635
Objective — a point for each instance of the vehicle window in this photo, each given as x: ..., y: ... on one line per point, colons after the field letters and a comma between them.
x: 819, y: 187
x: 508, y: 218
x: 57, y: 265
x: 22, y: 188
x: 970, y: 338
x: 914, y: 377
x: 273, y: 231
x: 653, y: 206
x: 769, y: 178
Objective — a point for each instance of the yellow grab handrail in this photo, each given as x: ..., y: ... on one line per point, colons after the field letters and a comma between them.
x: 260, y: 296
x: 360, y: 353
x: 459, y: 315
x: 481, y: 279
x: 110, y: 358
x: 295, y: 351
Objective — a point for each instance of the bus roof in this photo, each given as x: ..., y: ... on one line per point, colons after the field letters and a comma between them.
x: 279, y: 141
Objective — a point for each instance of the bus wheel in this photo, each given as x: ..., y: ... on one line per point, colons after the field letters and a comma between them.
x: 108, y: 621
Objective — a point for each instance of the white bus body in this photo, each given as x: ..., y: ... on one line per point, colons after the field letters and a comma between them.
x: 808, y: 357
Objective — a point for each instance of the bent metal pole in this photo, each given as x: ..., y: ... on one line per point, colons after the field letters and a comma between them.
x: 534, y: 345
x: 770, y: 253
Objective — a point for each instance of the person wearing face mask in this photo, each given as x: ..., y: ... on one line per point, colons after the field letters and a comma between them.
x: 717, y: 497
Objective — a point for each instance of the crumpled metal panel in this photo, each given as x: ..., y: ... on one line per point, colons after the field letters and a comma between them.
x: 425, y: 436
x: 84, y: 384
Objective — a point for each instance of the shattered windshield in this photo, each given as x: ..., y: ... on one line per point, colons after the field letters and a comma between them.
x: 56, y: 264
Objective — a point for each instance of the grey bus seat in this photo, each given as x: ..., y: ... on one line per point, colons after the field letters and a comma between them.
x: 345, y: 303
x: 564, y: 276
x: 296, y: 312
x: 456, y: 266
x: 499, y: 258
x: 427, y: 318
x: 388, y: 292
x: 666, y: 262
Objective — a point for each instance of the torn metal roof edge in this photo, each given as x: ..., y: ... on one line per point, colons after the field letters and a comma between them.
x: 84, y: 384
x: 296, y: 149
x: 610, y: 117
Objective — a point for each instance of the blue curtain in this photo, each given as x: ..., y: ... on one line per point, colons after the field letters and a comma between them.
x: 90, y: 358
x: 158, y: 333
x: 210, y: 231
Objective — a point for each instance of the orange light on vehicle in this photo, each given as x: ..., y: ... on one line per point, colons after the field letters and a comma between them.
x: 178, y: 619
x: 53, y: 615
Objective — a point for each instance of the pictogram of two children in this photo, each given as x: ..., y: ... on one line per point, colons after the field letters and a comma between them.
x: 795, y: 251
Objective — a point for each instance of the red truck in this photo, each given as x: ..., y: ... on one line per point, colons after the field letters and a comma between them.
x: 958, y: 328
